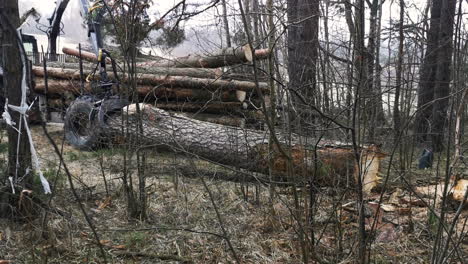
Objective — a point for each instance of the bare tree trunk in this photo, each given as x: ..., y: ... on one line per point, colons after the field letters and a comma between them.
x: 19, y: 155
x: 362, y: 103
x: 377, y: 86
x: 226, y: 25
x: 427, y: 75
x: 443, y: 74
x: 303, y: 17
x: 372, y: 53
x: 399, y: 73
x: 55, y: 23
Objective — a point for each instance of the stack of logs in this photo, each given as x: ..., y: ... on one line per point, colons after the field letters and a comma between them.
x: 197, y: 85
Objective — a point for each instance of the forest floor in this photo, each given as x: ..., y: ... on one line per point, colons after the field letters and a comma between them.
x: 191, y: 202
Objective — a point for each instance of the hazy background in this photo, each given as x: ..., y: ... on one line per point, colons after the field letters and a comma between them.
x: 201, y: 31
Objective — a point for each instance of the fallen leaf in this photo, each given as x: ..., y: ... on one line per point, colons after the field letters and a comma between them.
x: 404, y: 211
x: 376, y: 218
x: 387, y: 233
x: 388, y: 207
x: 104, y: 242
x: 394, y: 198
x: 119, y: 247
x: 107, y: 202
x: 413, y: 201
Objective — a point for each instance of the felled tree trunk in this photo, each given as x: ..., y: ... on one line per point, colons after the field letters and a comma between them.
x: 145, y: 92
x: 249, y: 149
x: 217, y: 119
x: 204, y: 107
x: 172, y: 81
x: 190, y: 72
x: 220, y: 58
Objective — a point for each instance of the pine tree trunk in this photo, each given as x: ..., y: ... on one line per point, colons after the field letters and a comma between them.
x: 220, y: 58
x: 189, y: 72
x: 169, y: 81
x: 249, y: 149
x: 146, y: 93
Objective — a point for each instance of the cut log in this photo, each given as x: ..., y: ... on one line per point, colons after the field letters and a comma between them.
x: 146, y: 92
x: 170, y: 81
x: 212, y: 107
x: 459, y: 192
x: 190, y: 72
x: 220, y: 58
x: 160, y: 92
x: 85, y: 55
x: 249, y: 149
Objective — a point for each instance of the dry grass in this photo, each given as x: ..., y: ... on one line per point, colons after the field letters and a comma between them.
x: 183, y: 227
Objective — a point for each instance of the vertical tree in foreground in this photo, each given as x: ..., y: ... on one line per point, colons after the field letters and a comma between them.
x: 19, y: 157
x: 303, y: 44
x: 434, y: 84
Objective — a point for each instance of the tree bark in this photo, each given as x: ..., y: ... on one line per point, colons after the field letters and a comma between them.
x: 249, y: 149
x: 217, y: 119
x: 373, y: 49
x: 220, y: 58
x: 427, y: 75
x: 19, y: 155
x: 443, y: 74
x: 170, y: 81
x: 145, y: 92
x: 303, y: 17
x: 226, y: 24
x: 189, y: 72
x: 233, y: 108
x: 399, y: 74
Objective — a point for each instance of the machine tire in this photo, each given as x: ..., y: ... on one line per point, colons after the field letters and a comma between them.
x: 81, y: 131
x: 110, y: 106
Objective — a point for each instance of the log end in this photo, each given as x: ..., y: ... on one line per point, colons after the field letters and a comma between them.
x: 247, y: 52
x: 241, y: 95
x: 459, y: 190
x: 370, y: 165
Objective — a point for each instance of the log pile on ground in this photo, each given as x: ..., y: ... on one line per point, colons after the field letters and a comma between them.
x: 198, y: 84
